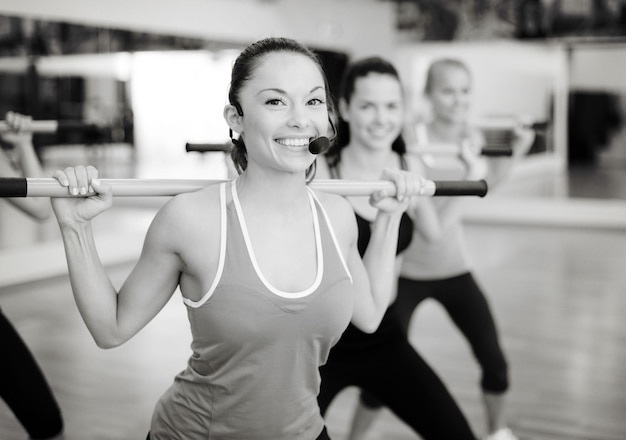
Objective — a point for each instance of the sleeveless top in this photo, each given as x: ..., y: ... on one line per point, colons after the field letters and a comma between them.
x: 405, y: 232
x: 353, y: 338
x: 256, y: 350
x: 447, y: 257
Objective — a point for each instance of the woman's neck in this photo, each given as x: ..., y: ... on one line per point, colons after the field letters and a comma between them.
x: 359, y: 162
x: 446, y: 131
x: 273, y: 190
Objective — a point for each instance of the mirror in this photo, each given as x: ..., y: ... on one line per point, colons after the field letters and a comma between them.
x: 149, y: 94
x: 139, y: 96
x: 512, y: 83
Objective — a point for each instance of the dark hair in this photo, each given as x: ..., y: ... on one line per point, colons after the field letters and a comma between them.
x: 242, y: 71
x: 355, y: 70
x: 431, y: 74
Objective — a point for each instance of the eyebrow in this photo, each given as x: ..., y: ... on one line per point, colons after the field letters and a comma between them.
x: 281, y: 91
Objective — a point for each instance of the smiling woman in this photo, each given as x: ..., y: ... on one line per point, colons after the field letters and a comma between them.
x: 305, y: 102
x: 268, y: 268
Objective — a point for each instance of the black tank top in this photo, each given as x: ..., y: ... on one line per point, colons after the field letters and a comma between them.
x: 405, y: 233
x: 353, y: 338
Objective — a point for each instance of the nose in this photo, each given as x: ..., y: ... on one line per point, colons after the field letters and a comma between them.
x: 380, y: 115
x: 298, y: 117
x: 461, y: 98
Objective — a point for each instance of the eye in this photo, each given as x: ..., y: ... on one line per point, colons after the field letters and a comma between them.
x: 274, y: 102
x: 316, y: 102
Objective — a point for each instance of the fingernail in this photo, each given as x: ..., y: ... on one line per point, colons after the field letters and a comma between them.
x: 74, y: 191
x: 83, y: 190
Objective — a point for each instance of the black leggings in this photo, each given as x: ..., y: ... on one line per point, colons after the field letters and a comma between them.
x: 469, y: 310
x: 387, y: 367
x: 24, y: 388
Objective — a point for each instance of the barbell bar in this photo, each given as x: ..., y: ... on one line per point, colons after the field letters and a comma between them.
x: 439, y: 150
x: 52, y: 126
x: 49, y: 187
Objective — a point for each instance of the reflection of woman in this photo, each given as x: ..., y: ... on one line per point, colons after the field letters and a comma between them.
x: 23, y: 386
x: 269, y: 270
x: 383, y: 365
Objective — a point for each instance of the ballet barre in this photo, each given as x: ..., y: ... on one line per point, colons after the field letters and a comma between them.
x: 53, y: 126
x: 49, y: 187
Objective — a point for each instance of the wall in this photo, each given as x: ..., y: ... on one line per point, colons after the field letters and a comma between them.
x: 344, y: 25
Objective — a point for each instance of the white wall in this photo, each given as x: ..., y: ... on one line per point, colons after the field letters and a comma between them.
x: 598, y: 67
x: 354, y: 26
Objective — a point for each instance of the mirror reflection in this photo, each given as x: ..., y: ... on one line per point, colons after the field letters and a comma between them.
x: 136, y: 99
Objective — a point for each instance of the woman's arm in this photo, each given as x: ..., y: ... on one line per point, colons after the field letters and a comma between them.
x: 113, y: 317
x: 27, y: 163
x: 374, y: 275
x: 379, y: 263
x: 501, y: 168
x: 422, y: 210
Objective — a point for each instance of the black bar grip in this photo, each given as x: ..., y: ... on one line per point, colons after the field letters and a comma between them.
x: 461, y: 188
x: 76, y: 126
x: 207, y: 148
x: 497, y: 151
x: 13, y: 187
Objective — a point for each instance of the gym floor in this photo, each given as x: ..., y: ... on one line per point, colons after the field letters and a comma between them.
x: 557, y: 293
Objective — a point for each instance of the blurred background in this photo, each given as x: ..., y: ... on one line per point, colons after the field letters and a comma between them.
x: 150, y: 76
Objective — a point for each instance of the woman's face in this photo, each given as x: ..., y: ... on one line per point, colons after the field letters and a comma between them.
x: 375, y: 111
x: 284, y: 108
x: 450, y: 94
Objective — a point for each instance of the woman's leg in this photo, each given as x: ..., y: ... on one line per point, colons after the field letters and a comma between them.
x: 24, y: 388
x: 409, y: 296
x: 409, y: 387
x: 365, y: 414
x: 469, y: 310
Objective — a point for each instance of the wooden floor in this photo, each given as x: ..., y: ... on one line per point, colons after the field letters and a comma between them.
x: 559, y: 296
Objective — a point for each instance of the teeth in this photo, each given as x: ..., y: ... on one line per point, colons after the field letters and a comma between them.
x: 293, y: 142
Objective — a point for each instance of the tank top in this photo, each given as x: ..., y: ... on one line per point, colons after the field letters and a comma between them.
x: 447, y: 257
x: 405, y: 232
x: 353, y: 338
x: 256, y: 350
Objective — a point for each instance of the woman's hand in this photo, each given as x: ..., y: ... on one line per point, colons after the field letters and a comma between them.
x: 82, y: 181
x: 407, y: 185
x: 477, y: 166
x: 523, y: 139
x: 20, y: 129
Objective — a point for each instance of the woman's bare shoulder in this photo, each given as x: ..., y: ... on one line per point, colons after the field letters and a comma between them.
x: 187, y: 214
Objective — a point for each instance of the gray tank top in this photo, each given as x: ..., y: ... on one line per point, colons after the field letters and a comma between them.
x: 256, y: 350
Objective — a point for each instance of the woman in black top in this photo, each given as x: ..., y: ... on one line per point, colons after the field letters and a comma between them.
x: 383, y: 365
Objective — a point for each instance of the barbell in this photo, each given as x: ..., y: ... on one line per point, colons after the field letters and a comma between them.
x: 50, y: 187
